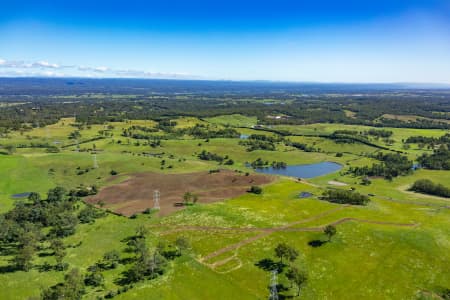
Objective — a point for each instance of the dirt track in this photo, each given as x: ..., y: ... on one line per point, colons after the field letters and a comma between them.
x: 263, y: 232
x: 136, y: 193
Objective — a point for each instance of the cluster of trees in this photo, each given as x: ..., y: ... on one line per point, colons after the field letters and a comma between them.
x: 202, y: 131
x: 345, y: 197
x: 253, y: 145
x: 206, y: 155
x: 31, y: 225
x: 166, y: 125
x: 301, y: 146
x: 146, y: 263
x: 140, y: 132
x: 260, y: 163
x: 392, y: 165
x: 261, y: 142
x: 379, y: 133
x: 427, y: 186
x: 439, y: 160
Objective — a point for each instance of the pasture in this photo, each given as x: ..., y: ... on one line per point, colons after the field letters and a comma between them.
x: 396, y: 247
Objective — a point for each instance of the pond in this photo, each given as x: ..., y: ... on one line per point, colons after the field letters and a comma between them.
x: 21, y: 195
x: 303, y: 171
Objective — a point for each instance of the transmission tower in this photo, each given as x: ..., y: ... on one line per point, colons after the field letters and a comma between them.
x: 156, y: 195
x: 95, y: 162
x: 77, y: 149
x: 273, y: 286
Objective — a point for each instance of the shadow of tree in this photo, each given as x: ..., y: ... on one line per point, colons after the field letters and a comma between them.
x: 8, y: 269
x: 268, y: 264
x: 316, y: 243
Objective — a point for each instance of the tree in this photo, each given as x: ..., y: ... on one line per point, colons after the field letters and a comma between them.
x: 141, y: 231
x: 182, y: 243
x: 59, y: 252
x: 23, y: 259
x: 56, y: 194
x: 27, y: 240
x: 285, y: 251
x: 10, y: 149
x: 94, y: 279
x: 35, y: 198
x: 74, y: 135
x: 291, y: 254
x: 64, y: 224
x: 296, y: 277
x: 330, y: 230
x: 71, y: 289
x: 111, y: 259
x: 189, y: 197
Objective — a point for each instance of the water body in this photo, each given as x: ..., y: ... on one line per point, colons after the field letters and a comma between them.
x: 303, y: 171
x: 21, y: 195
x: 305, y: 195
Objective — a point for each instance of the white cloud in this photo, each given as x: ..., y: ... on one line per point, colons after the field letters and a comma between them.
x: 45, y: 64
x: 45, y: 68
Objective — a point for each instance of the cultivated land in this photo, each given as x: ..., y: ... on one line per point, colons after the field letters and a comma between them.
x: 135, y: 194
x: 396, y: 247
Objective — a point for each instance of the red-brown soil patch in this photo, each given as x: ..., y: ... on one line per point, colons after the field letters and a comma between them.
x: 136, y: 193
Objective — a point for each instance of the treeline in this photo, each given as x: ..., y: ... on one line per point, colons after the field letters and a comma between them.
x: 199, y: 131
x: 43, y: 110
x: 432, y: 141
x: 426, y: 186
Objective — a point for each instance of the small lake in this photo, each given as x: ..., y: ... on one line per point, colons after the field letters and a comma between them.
x: 303, y: 171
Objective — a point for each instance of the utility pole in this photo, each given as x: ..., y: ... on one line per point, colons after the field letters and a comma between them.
x: 95, y: 162
x: 156, y: 195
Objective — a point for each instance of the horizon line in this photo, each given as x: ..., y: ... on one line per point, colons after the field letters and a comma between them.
x: 230, y: 80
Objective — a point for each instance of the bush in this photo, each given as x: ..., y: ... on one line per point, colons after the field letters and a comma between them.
x: 255, y: 190
x: 113, y: 172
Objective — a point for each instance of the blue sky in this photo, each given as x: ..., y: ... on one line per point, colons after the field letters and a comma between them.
x: 284, y: 40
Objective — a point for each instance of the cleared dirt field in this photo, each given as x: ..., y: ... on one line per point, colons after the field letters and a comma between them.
x: 136, y: 193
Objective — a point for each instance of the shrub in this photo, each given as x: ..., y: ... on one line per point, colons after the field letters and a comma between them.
x: 255, y: 190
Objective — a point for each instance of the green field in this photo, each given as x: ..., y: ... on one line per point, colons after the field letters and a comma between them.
x: 396, y: 247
